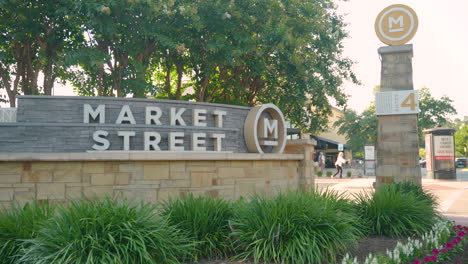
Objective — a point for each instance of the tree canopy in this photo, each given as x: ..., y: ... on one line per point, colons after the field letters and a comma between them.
x: 362, y: 128
x: 34, y: 35
x: 433, y: 112
x: 238, y: 52
x: 359, y: 129
x: 461, y: 141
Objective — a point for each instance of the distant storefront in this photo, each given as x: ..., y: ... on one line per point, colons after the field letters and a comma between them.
x: 329, y: 142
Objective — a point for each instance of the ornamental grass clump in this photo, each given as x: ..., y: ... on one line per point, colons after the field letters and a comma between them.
x: 295, y: 227
x: 19, y: 223
x: 395, y: 213
x: 204, y: 219
x: 417, y: 189
x: 107, y: 231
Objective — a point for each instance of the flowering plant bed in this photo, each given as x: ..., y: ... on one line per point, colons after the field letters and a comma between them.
x: 455, y: 251
x: 445, y: 243
x: 452, y: 240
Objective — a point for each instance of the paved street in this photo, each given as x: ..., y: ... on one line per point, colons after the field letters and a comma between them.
x: 462, y: 174
x: 452, y: 195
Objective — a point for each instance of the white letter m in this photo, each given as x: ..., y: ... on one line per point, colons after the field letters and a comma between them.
x: 392, y: 22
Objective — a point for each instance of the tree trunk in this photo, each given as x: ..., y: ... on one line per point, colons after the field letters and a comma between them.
x: 48, y: 71
x: 101, y: 88
x: 201, y: 92
x: 35, y: 75
x: 10, y: 92
x: 117, y: 85
x: 167, y: 82
x: 180, y: 75
x: 48, y: 79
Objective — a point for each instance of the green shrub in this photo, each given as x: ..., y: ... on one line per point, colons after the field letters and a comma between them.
x: 107, y: 231
x: 205, y: 219
x: 319, y: 173
x: 18, y: 224
x: 295, y: 227
x: 348, y: 173
x: 416, y: 189
x: 393, y: 212
x: 329, y: 173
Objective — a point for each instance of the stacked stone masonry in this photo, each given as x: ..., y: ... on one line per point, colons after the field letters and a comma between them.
x: 149, y: 181
x: 397, y: 147
x: 54, y: 124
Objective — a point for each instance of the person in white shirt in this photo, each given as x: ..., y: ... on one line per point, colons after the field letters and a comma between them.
x: 339, y: 165
x: 322, y: 161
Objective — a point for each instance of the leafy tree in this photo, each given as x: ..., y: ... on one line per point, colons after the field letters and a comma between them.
x: 422, y: 153
x: 433, y: 112
x: 288, y: 53
x: 458, y: 123
x: 33, y: 38
x: 359, y: 129
x: 237, y: 52
x: 461, y: 141
x: 461, y: 137
x: 121, y: 37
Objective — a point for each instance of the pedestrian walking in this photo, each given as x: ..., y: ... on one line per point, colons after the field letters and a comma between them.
x: 322, y: 161
x: 339, y: 165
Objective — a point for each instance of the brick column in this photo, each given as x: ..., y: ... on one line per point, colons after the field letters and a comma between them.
x: 397, y: 143
x: 306, y: 166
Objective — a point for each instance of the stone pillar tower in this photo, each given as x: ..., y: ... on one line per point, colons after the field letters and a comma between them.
x: 397, y: 143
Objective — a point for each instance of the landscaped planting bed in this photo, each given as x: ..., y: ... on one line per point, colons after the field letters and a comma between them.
x: 399, y: 224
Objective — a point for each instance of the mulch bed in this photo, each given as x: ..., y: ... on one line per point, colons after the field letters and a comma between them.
x: 374, y: 245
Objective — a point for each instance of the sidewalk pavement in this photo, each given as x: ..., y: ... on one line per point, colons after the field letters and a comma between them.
x: 452, y: 195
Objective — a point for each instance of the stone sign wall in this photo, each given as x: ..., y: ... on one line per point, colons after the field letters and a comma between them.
x: 79, y: 124
x: 152, y: 176
x: 63, y: 148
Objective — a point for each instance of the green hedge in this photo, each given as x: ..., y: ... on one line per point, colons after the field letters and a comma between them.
x: 206, y: 220
x: 107, y: 231
x: 296, y: 227
x: 397, y: 210
x: 292, y: 227
x: 20, y: 223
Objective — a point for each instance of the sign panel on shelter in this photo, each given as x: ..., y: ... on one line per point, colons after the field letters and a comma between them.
x: 443, y: 148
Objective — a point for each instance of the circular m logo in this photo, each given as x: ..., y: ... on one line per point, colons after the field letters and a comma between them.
x: 265, y: 130
x: 396, y: 24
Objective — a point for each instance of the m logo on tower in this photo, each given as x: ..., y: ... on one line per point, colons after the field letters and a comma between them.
x: 396, y: 25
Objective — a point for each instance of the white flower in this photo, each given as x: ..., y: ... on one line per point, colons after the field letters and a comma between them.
x: 226, y: 15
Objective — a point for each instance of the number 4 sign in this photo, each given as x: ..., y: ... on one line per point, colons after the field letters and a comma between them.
x: 397, y: 102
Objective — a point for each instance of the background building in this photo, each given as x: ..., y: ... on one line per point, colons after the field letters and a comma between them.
x: 328, y: 142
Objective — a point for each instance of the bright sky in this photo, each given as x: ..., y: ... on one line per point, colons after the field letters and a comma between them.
x: 440, y: 46
x: 440, y: 49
